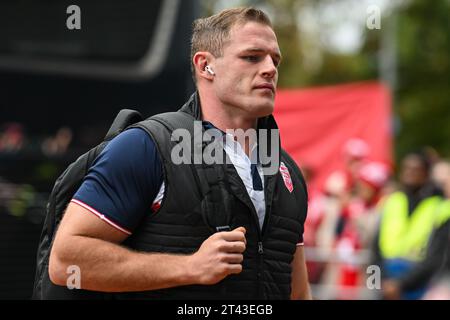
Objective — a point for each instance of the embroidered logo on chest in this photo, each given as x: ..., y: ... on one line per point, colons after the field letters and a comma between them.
x: 286, y: 177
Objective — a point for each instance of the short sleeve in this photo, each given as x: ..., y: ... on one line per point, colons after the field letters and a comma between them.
x: 123, y: 181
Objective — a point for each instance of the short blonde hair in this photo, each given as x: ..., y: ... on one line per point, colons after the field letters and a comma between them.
x: 210, y: 33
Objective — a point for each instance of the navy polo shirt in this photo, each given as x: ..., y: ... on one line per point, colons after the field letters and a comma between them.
x: 123, y: 181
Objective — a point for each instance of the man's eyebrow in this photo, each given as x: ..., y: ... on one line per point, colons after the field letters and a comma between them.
x: 260, y: 50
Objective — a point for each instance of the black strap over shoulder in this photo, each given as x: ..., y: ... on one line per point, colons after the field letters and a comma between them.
x: 211, y: 179
x: 124, y: 118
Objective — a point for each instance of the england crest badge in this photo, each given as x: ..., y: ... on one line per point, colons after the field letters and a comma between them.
x: 286, y: 177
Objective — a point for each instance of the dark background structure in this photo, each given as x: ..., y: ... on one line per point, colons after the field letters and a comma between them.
x: 52, y: 77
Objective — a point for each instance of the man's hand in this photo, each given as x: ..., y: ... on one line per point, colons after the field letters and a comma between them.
x: 219, y: 256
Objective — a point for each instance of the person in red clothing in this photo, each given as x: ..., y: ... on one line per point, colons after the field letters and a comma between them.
x: 355, y: 153
x: 358, y: 221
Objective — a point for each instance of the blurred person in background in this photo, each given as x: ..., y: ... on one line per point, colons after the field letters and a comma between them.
x: 362, y: 211
x: 437, y: 263
x: 358, y: 222
x: 434, y: 271
x: 339, y: 188
x: 59, y: 143
x: 433, y: 157
x: 440, y: 173
x: 355, y: 153
x: 12, y: 139
x: 409, y: 217
x: 327, y: 206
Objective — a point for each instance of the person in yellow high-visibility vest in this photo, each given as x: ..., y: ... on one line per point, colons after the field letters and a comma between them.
x: 433, y: 272
x: 408, y: 220
x: 436, y: 266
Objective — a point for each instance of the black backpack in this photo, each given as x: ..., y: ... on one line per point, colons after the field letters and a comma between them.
x: 211, y: 181
x: 64, y: 188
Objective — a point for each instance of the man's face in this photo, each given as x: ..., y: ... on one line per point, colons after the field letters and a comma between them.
x: 413, y: 173
x: 365, y: 191
x: 246, y: 74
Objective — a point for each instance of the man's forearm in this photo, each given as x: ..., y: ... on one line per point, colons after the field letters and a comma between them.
x: 304, y: 294
x: 108, y: 267
x: 300, y: 289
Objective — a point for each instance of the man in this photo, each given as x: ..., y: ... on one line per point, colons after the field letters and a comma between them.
x: 433, y: 272
x: 151, y: 240
x: 408, y: 219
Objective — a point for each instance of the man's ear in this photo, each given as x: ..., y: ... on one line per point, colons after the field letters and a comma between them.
x: 200, y: 60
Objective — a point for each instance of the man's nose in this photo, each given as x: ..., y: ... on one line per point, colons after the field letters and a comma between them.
x: 269, y: 68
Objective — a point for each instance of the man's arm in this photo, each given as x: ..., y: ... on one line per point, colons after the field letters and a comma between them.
x: 422, y: 273
x: 94, y: 246
x: 299, y: 283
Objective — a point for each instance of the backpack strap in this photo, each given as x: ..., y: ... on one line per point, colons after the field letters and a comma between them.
x: 211, y: 179
x: 124, y: 118
x: 63, y: 190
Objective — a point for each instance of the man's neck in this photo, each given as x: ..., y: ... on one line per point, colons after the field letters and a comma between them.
x: 225, y: 117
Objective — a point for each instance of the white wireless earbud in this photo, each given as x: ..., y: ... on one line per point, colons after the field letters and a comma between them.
x: 209, y: 70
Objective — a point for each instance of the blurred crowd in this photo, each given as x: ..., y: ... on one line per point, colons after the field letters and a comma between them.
x: 13, y: 139
x: 365, y: 216
x: 28, y: 169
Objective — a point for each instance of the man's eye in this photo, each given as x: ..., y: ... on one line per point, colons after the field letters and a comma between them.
x: 251, y: 58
